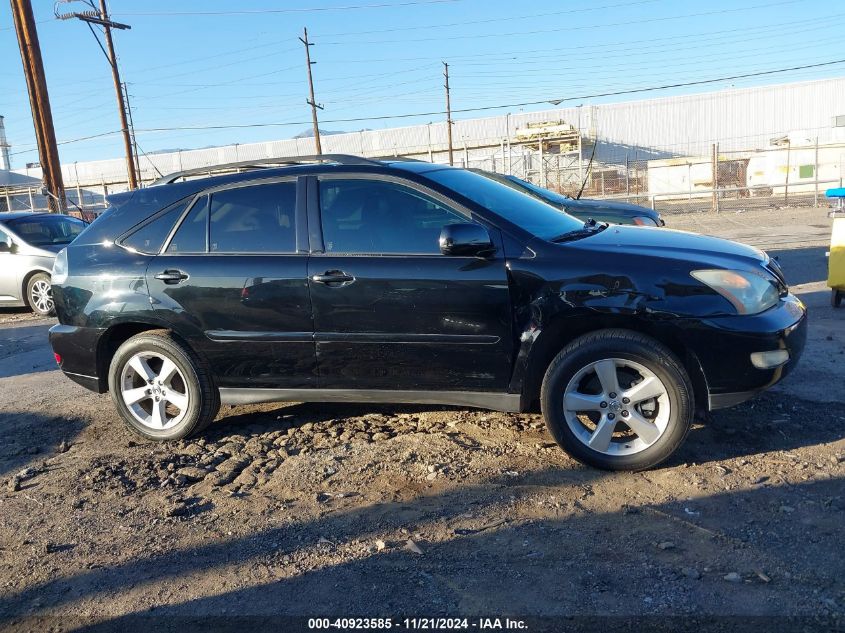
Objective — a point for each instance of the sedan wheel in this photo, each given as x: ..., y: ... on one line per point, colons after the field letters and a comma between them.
x: 39, y: 294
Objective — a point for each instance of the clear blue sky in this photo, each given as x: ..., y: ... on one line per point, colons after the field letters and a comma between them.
x: 198, y: 63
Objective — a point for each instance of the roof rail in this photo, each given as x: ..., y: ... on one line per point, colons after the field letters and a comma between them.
x: 264, y: 163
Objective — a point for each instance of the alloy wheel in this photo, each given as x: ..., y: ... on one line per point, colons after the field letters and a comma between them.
x: 154, y: 390
x: 41, y: 296
x: 616, y: 406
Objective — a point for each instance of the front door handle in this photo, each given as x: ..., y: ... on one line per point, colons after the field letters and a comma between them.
x: 333, y: 278
x: 171, y: 276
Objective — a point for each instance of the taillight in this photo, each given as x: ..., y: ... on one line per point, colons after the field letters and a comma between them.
x: 58, y: 358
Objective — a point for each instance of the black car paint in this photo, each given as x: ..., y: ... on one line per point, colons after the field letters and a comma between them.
x: 612, y: 211
x: 415, y: 323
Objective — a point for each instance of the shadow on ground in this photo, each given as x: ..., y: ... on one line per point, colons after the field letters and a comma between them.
x: 538, y: 556
x: 32, y: 437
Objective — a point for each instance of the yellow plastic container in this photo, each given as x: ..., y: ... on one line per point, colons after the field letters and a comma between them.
x: 836, y: 263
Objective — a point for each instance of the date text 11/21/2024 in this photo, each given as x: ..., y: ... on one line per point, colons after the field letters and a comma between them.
x: 417, y: 624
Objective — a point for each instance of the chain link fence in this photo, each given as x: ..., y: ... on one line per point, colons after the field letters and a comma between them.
x: 780, y: 176
x: 774, y: 178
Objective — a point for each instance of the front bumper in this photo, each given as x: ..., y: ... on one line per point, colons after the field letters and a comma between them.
x: 723, y: 347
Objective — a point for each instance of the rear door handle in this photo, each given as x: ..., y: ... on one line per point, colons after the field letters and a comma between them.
x: 171, y: 276
x: 333, y: 278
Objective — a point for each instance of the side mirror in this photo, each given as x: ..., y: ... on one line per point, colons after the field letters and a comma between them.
x: 466, y: 240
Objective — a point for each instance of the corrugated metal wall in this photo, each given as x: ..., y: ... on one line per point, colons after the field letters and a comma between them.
x: 738, y: 119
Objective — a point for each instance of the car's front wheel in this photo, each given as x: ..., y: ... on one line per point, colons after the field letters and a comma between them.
x: 161, y: 388
x: 39, y: 294
x: 617, y: 400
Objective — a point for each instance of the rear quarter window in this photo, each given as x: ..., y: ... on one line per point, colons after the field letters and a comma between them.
x: 150, y: 237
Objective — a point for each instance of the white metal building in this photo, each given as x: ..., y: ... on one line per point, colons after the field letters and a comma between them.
x: 740, y: 119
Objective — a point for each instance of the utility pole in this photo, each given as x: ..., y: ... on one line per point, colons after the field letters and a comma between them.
x: 121, y: 106
x: 312, y: 102
x: 101, y: 17
x: 135, y: 153
x: 39, y: 101
x: 448, y: 114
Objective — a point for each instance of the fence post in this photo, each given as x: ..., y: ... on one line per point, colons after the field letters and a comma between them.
x: 715, y: 169
x: 627, y: 179
x: 816, y: 176
x: 689, y: 180
x: 559, y: 182
x: 31, y: 201
x: 542, y: 166
x: 786, y: 182
x: 8, y: 200
x: 508, y: 135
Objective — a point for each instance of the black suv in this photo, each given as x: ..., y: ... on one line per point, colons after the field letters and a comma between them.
x: 356, y: 280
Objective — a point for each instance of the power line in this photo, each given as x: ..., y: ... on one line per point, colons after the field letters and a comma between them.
x: 704, y: 36
x: 553, y: 101
x: 73, y: 140
x: 382, y: 5
x: 569, y: 28
x: 465, y: 23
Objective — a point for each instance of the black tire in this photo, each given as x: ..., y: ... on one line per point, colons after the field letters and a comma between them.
x: 33, y: 297
x: 626, y: 345
x: 836, y: 298
x: 203, y: 397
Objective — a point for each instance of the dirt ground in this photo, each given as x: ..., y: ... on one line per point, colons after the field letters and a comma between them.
x: 420, y: 511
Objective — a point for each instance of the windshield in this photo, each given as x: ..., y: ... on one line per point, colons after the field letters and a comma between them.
x: 44, y: 230
x: 545, y: 194
x: 521, y: 209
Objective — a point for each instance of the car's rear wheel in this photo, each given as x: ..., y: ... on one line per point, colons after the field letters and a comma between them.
x: 39, y: 294
x: 617, y: 400
x: 161, y: 388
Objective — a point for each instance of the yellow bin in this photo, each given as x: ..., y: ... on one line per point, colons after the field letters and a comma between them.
x: 836, y: 261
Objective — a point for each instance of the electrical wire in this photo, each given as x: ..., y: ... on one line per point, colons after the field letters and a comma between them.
x: 567, y: 28
x: 381, y: 5
x: 507, y: 105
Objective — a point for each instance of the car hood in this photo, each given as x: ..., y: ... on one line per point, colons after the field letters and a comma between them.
x: 581, y: 203
x: 668, y: 243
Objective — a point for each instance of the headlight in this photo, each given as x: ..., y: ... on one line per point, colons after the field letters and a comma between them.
x: 59, y: 275
x: 749, y: 292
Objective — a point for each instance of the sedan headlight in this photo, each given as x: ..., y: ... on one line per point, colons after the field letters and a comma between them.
x: 749, y: 292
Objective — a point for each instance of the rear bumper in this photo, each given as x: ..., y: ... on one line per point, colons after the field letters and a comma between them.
x: 77, y: 347
x: 724, y: 346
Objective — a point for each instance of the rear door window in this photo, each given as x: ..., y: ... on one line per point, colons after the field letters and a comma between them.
x: 192, y: 234
x: 254, y: 219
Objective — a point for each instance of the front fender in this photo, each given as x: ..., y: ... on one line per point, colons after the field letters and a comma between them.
x: 553, y: 310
